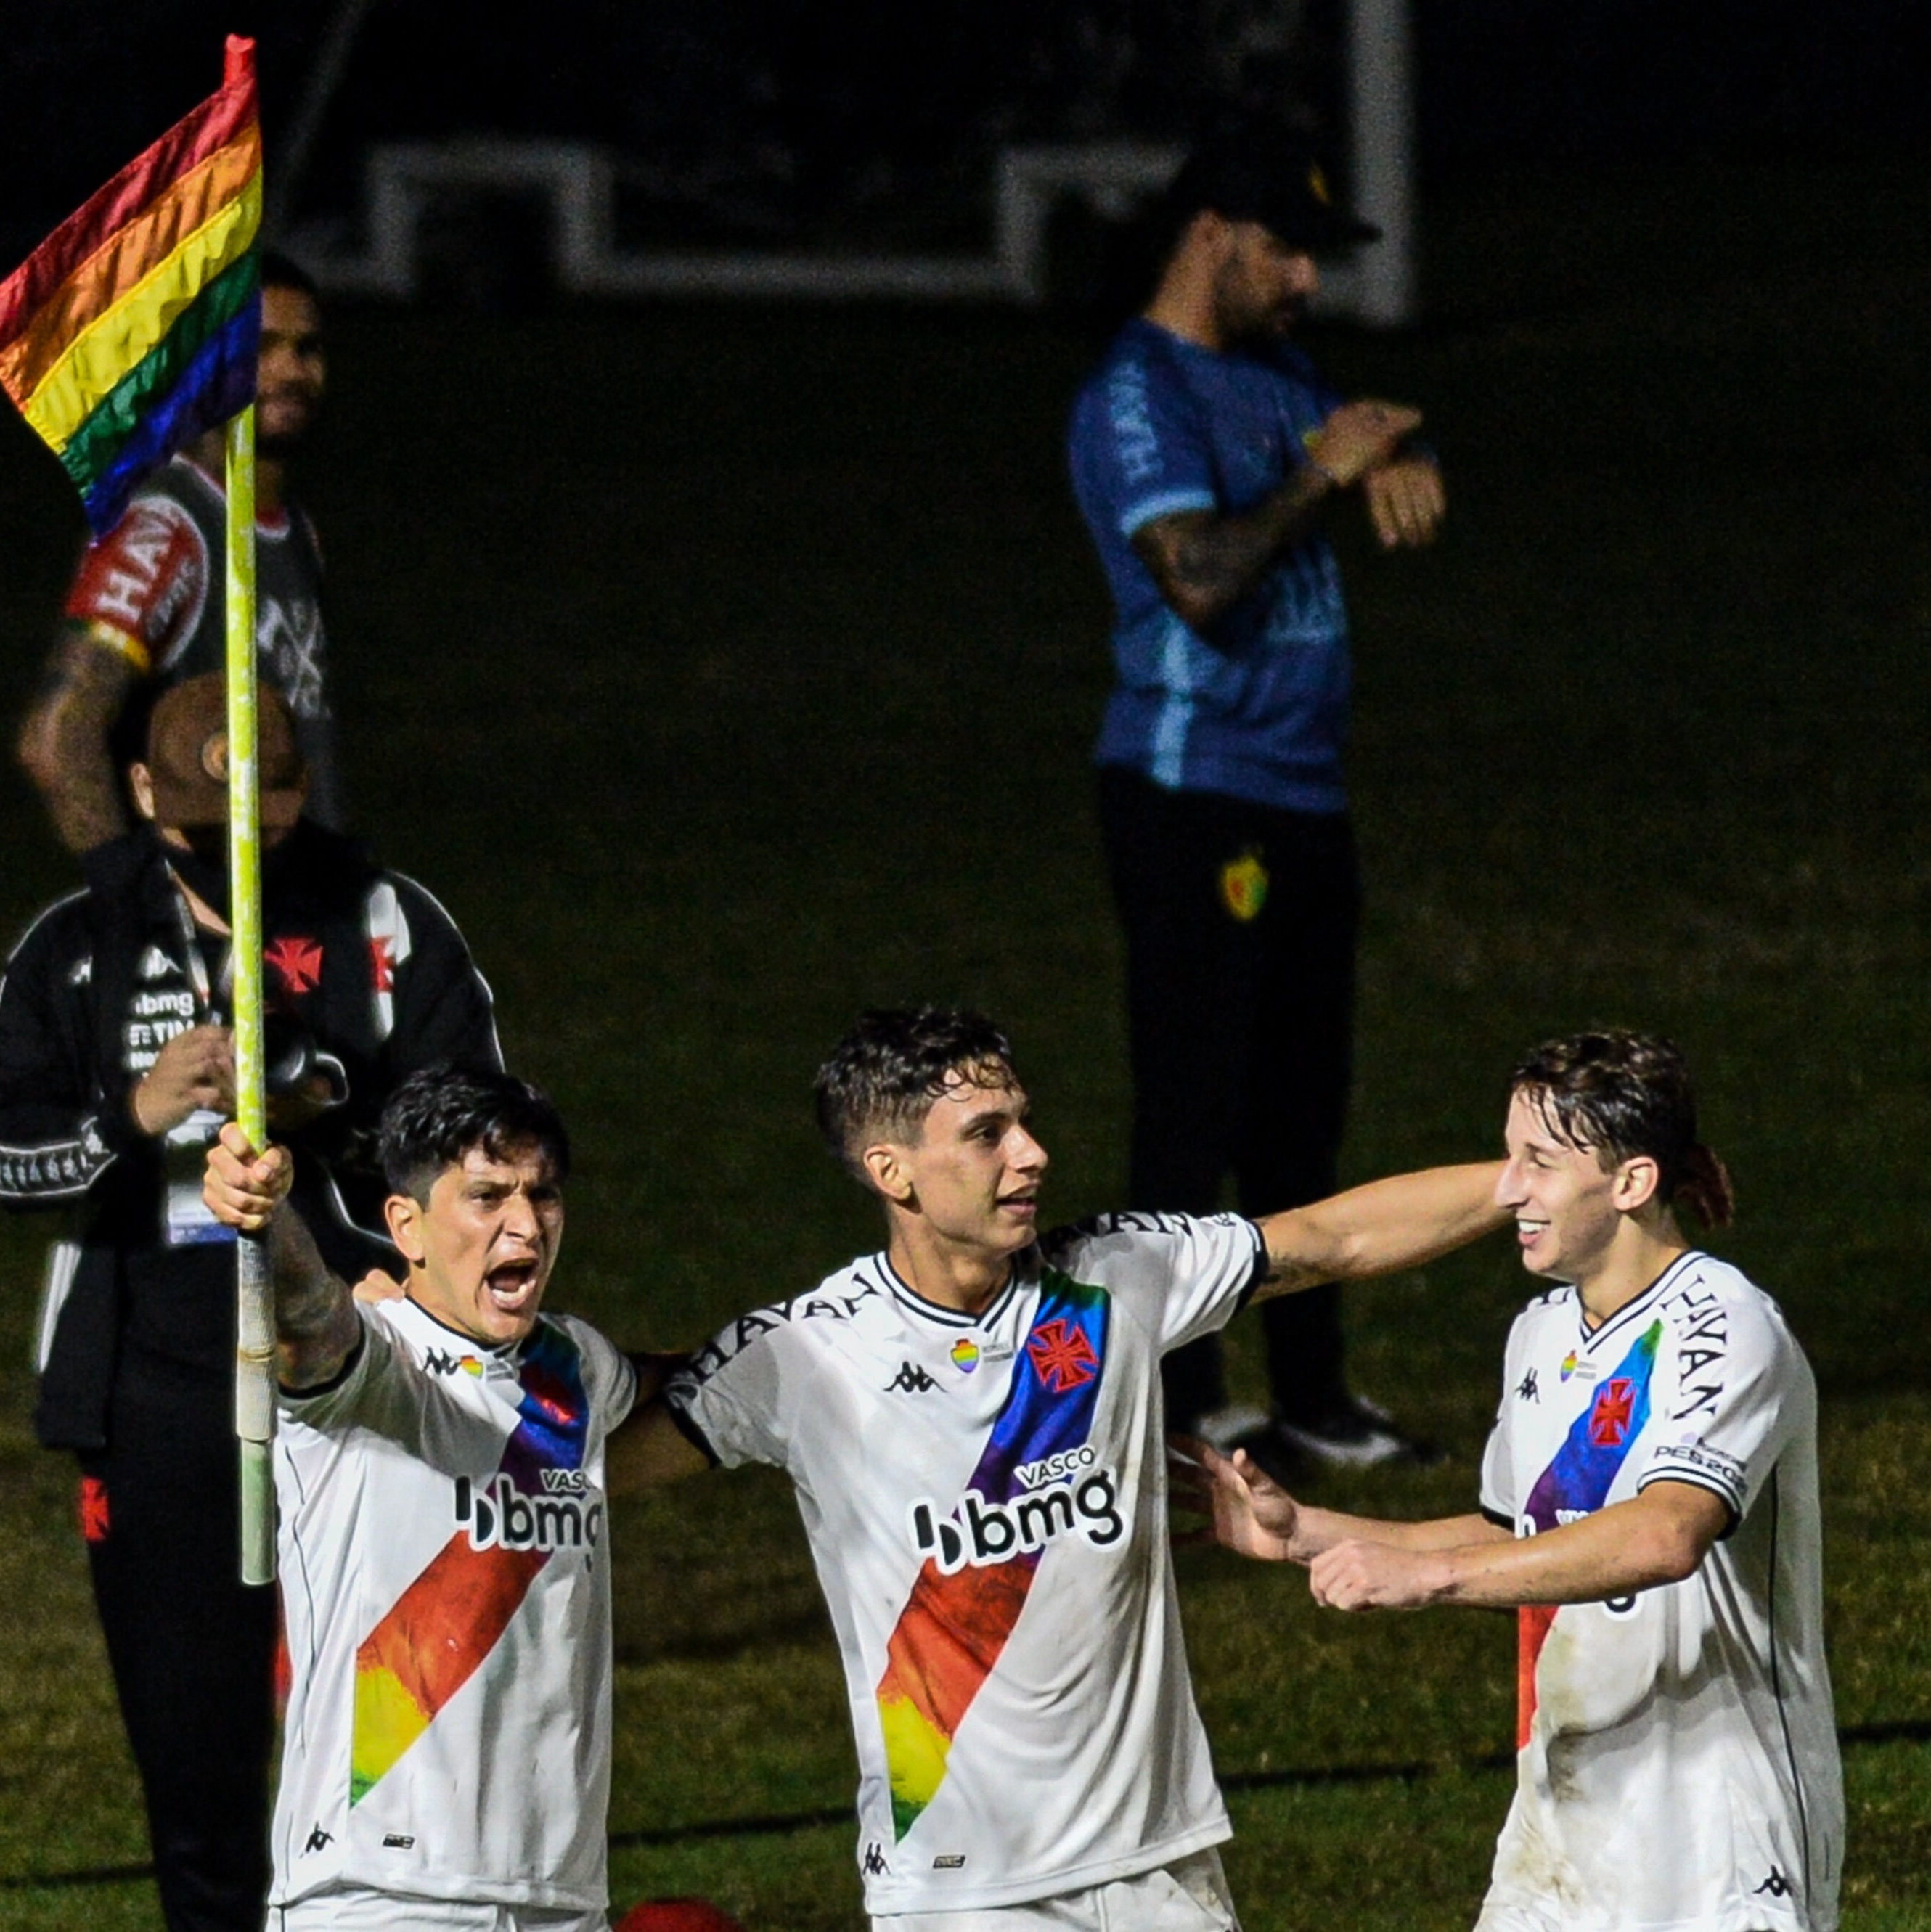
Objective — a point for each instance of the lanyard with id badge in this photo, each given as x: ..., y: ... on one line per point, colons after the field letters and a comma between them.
x: 189, y: 1222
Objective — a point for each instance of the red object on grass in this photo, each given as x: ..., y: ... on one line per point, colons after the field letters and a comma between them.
x: 677, y: 1915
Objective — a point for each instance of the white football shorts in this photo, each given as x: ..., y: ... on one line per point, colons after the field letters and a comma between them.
x: 1190, y: 1895
x: 354, y: 1908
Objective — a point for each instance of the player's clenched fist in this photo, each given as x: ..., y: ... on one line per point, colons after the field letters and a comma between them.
x: 241, y: 1187
x: 1354, y: 1576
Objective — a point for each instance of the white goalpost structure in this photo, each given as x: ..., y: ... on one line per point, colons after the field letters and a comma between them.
x: 577, y: 184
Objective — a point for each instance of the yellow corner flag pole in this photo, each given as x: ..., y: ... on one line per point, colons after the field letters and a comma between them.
x: 254, y: 1293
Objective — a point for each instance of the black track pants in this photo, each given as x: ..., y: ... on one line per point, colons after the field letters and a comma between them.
x: 192, y: 1651
x: 1240, y: 1020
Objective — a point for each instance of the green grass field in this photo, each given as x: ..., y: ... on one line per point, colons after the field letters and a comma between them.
x: 725, y: 671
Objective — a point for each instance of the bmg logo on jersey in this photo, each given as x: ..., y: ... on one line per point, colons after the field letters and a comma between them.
x: 981, y: 1533
x: 565, y: 1517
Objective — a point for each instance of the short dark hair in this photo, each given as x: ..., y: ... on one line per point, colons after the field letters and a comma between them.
x: 440, y: 1113
x: 884, y: 1075
x: 283, y: 271
x: 1619, y: 1094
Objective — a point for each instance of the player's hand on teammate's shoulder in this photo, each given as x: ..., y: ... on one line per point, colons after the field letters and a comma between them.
x: 194, y: 1070
x: 1245, y: 1509
x: 1406, y: 501
x: 242, y: 1186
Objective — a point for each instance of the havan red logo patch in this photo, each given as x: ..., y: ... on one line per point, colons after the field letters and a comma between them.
x: 1609, y: 1418
x: 1062, y: 1357
x: 297, y: 961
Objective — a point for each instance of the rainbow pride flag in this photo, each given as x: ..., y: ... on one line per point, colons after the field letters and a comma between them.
x: 134, y: 326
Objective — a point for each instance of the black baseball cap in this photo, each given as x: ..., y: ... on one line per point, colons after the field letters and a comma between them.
x: 1261, y: 171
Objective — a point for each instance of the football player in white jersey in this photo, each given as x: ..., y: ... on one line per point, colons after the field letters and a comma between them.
x: 972, y: 1420
x: 1649, y: 1505
x: 446, y: 1576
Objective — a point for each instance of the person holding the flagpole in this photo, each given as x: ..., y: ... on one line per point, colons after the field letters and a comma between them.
x: 117, y: 1064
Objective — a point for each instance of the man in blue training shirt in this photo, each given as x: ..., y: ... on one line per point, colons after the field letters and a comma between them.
x: 1205, y: 450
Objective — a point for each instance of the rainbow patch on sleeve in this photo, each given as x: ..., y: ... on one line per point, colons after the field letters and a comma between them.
x: 954, y: 1627
x: 440, y: 1630
x: 1576, y: 1484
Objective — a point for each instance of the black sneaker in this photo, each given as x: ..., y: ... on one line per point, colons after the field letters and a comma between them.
x: 1357, y: 1435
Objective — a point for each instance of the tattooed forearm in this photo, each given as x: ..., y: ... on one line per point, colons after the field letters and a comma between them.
x: 63, y: 743
x: 1205, y: 563
x: 317, y: 1327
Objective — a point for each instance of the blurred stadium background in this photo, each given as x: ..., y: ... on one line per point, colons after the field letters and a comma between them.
x: 725, y: 667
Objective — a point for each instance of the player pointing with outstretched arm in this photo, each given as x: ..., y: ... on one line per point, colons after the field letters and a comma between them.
x: 972, y: 1419
x: 1649, y: 1499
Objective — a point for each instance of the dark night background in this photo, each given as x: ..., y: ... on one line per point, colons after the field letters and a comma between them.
x: 775, y: 121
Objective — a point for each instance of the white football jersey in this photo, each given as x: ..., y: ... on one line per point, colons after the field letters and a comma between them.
x: 1678, y: 1753
x: 986, y: 1498
x: 446, y: 1586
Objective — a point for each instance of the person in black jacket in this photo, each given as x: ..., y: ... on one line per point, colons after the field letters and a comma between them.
x: 116, y: 1069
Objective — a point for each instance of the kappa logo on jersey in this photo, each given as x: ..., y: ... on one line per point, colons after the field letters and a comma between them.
x: 911, y: 1380
x: 297, y: 961
x: 155, y: 964
x: 438, y: 1363
x: 1609, y: 1417
x: 978, y: 1533
x: 875, y: 1861
x: 1062, y: 1357
x: 318, y: 1839
x: 1528, y: 1389
x: 499, y: 1515
x: 1776, y: 1885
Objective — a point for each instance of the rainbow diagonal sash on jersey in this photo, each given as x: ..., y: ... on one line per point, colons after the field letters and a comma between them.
x: 1576, y: 1482
x: 952, y: 1629
x: 443, y: 1627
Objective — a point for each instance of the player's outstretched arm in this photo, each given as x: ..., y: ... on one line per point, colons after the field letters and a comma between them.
x: 1658, y: 1537
x: 1249, y: 1512
x: 1400, y: 1223
x: 316, y: 1328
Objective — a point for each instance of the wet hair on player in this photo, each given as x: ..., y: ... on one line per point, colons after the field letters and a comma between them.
x: 1620, y: 1094
x: 882, y: 1079
x: 440, y: 1113
x: 282, y: 271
